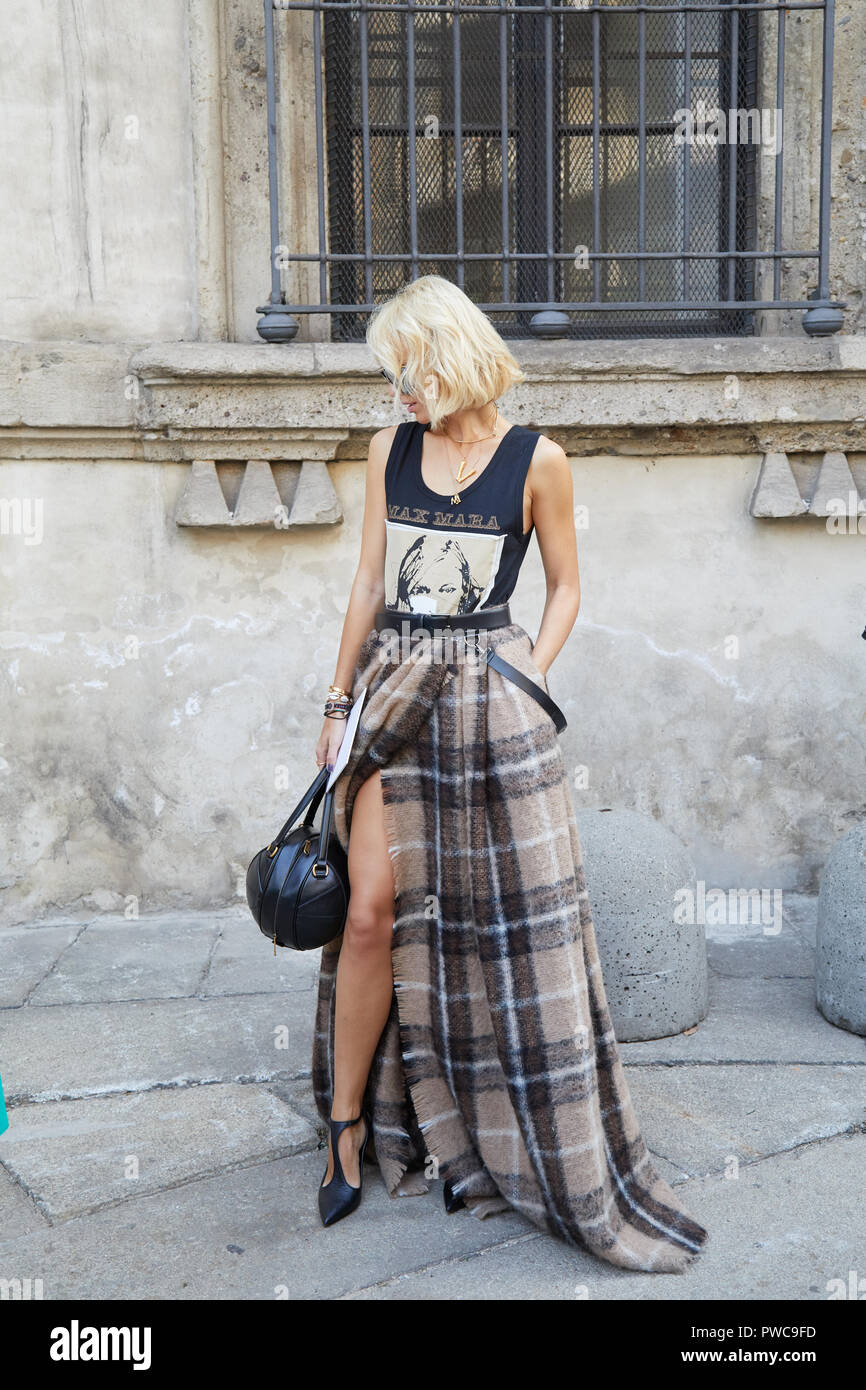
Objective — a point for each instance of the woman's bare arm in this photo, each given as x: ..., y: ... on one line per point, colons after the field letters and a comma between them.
x: 368, y: 588
x: 552, y: 497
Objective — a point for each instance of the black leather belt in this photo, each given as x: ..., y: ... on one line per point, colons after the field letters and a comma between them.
x: 390, y: 618
x: 526, y: 683
x: 433, y: 622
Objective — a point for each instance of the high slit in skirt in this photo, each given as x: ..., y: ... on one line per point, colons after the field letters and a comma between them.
x: 498, y: 1069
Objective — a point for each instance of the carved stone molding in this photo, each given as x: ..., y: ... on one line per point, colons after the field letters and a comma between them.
x: 308, y: 500
x: 179, y: 402
x: 820, y: 485
x: 776, y: 492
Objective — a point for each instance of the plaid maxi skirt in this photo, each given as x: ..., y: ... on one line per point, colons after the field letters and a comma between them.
x: 498, y: 1068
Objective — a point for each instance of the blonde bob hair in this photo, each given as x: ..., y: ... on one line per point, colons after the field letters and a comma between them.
x: 450, y: 355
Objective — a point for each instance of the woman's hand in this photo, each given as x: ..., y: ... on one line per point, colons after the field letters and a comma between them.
x: 330, y: 739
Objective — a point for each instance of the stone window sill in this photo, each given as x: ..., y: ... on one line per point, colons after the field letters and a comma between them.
x: 793, y: 403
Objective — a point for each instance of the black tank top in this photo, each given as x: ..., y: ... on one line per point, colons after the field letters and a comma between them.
x: 444, y: 557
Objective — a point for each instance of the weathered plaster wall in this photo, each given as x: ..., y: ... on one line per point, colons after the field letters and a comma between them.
x: 848, y: 165
x: 156, y: 680
x: 98, y: 228
x: 163, y: 680
x: 135, y: 137
x: 801, y: 162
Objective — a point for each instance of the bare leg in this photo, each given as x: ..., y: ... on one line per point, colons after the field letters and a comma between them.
x: 365, y: 980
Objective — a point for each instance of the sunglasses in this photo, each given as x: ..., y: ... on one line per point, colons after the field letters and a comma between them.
x: 393, y: 380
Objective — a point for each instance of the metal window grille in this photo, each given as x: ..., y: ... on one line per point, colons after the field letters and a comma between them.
x: 534, y: 153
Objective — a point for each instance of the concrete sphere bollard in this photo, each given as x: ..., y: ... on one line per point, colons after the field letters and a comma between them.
x: 840, y: 944
x: 654, y: 966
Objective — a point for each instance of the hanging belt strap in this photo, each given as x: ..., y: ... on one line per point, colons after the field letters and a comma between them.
x: 531, y: 687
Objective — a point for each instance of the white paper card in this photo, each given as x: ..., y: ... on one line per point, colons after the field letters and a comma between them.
x: 348, y: 739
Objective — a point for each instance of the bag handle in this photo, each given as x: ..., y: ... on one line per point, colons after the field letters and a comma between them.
x: 321, y: 860
x: 312, y: 797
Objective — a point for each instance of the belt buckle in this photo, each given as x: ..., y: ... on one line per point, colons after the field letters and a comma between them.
x: 420, y: 624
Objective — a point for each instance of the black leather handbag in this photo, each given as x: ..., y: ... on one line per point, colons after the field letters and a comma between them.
x: 298, y: 885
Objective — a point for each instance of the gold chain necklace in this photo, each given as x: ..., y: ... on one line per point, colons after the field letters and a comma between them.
x: 460, y: 476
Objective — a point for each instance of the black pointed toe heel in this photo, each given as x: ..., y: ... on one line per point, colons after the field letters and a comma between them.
x: 452, y: 1201
x: 339, y: 1198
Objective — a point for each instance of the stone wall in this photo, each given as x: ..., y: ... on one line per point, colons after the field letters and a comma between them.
x: 98, y: 235
x: 162, y: 683
x: 136, y: 136
x: 167, y: 683
x: 167, y: 680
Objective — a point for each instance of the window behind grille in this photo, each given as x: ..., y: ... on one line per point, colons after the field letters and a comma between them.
x: 689, y: 190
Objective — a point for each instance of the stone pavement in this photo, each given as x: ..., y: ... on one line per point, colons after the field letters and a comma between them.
x: 163, y: 1142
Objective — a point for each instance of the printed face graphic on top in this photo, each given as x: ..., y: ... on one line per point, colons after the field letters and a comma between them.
x: 438, y: 571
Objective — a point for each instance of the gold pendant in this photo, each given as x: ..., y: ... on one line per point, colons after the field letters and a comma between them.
x: 462, y: 478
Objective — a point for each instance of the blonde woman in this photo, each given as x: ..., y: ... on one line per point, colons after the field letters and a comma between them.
x: 462, y: 1025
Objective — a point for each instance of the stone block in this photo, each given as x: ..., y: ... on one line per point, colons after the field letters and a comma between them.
x: 252, y: 1233
x: 57, y: 1053
x: 19, y: 1214
x: 114, y: 959
x: 27, y: 955
x: 791, y: 1227
x: 315, y: 502
x: 833, y: 486
x: 776, y: 492
x: 258, y: 501
x: 840, y: 949
x: 755, y: 1020
x: 79, y: 1155
x: 202, y: 502
x: 700, y: 1121
x: 654, y: 967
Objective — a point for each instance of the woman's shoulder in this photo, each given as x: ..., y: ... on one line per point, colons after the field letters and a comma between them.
x: 549, y: 471
x: 383, y: 440
x: 382, y: 443
x: 548, y: 458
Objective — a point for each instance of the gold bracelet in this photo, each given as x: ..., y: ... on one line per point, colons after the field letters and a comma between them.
x: 335, y: 693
